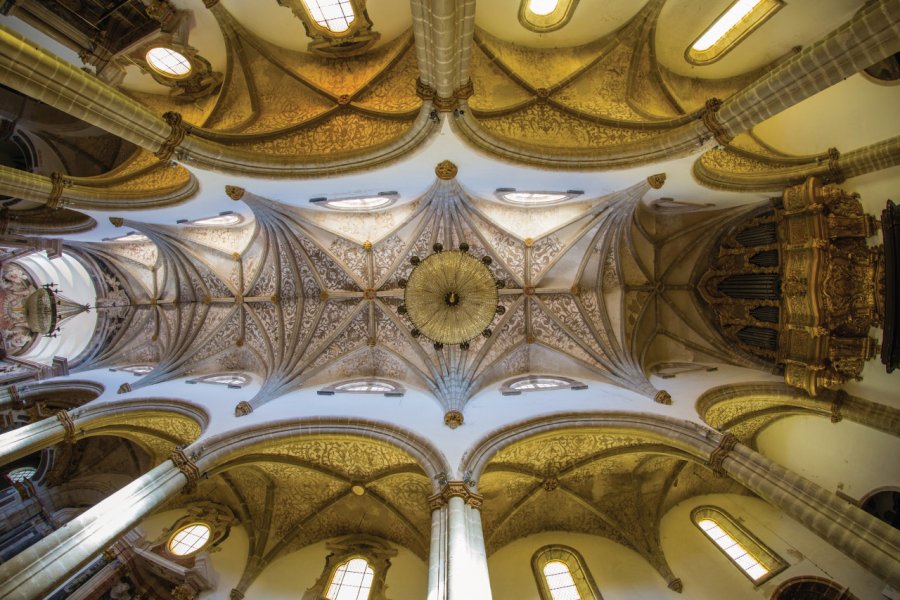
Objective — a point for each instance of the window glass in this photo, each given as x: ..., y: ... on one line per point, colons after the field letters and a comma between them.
x: 218, y: 221
x: 333, y: 15
x: 560, y: 581
x: 749, y: 554
x: 188, y: 540
x: 732, y: 26
x: 352, y: 580
x: 21, y: 474
x: 168, y: 62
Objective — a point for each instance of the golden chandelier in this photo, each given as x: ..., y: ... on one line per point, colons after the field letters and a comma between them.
x: 451, y: 297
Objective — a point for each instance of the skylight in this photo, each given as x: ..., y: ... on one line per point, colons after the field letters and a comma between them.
x: 542, y: 7
x: 189, y: 539
x: 168, y: 62
x: 737, y: 22
x: 333, y: 15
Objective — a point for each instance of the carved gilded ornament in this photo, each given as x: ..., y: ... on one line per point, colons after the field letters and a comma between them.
x: 711, y: 120
x: 243, y: 409
x: 717, y: 456
x: 187, y: 467
x: 175, y: 137
x: 663, y: 397
x: 657, y: 181
x: 446, y: 170
x: 234, y: 192
x: 453, y: 419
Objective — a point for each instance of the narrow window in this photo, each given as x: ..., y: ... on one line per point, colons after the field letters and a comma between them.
x: 533, y: 198
x: 561, y: 575
x: 358, y: 203
x: 754, y: 560
x: 224, y: 219
x: 231, y: 380
x: 364, y: 386
x: 352, y: 580
x: 732, y: 26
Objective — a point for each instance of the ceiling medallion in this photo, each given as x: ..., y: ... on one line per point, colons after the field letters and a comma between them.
x: 451, y: 297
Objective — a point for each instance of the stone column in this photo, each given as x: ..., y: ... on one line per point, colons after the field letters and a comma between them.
x: 458, y: 569
x: 36, y: 436
x: 872, y: 543
x: 39, y: 569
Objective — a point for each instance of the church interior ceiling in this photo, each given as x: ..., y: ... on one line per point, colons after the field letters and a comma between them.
x: 600, y: 287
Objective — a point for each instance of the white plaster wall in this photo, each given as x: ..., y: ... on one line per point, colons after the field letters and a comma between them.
x: 842, y: 456
x: 620, y: 573
x: 707, y: 573
x: 289, y: 576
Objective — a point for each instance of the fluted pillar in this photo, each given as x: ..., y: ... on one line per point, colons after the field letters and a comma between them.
x: 872, y: 543
x: 457, y: 567
x: 37, y: 570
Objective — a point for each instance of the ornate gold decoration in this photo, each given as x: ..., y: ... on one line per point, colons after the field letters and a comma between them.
x: 54, y: 199
x: 124, y: 388
x: 423, y: 91
x: 176, y: 135
x: 835, y: 174
x: 455, y: 489
x: 550, y: 484
x: 839, y: 397
x: 117, y: 221
x: 711, y: 120
x: 799, y: 287
x: 657, y: 181
x: 68, y: 424
x: 450, y: 297
x: 446, y: 170
x: 663, y: 397
x: 234, y: 192
x: 717, y: 456
x: 357, y: 39
x: 367, y: 246
x: 369, y: 294
x: 453, y: 419
x: 186, y: 466
x: 184, y: 592
x: 529, y: 242
x: 243, y: 409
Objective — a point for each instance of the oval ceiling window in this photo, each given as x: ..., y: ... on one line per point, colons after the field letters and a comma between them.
x: 545, y: 15
x: 333, y: 15
x: 514, y: 196
x: 189, y: 539
x: 738, y: 21
x: 168, y: 62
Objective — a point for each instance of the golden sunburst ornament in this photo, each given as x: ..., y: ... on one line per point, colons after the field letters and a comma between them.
x: 451, y: 297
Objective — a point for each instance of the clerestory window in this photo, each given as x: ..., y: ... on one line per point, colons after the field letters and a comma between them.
x: 562, y: 575
x: 223, y: 219
x: 539, y: 383
x: 364, y: 386
x: 231, y: 380
x: 352, y: 580
x: 741, y: 547
x: 738, y: 21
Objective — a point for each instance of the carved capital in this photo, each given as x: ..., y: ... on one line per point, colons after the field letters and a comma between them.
x: 717, y: 456
x: 446, y: 170
x: 657, y: 181
x: 663, y: 397
x: 455, y: 489
x: 68, y: 424
x: 186, y: 466
x: 453, y: 419
x: 54, y: 199
x: 234, y: 192
x: 711, y: 120
x: 243, y: 409
x: 178, y: 130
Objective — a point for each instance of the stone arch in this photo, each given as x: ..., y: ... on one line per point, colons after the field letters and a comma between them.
x: 812, y: 588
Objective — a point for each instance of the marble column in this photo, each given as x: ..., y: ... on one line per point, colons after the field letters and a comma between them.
x: 36, y: 436
x: 42, y: 567
x: 457, y: 567
x: 872, y: 543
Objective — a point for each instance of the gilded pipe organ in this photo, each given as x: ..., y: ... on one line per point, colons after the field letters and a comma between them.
x: 798, y: 287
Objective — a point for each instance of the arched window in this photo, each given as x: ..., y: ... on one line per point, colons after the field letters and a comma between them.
x: 21, y: 474
x: 137, y: 370
x: 352, y: 580
x: 542, y: 16
x: 223, y: 219
x: 358, y: 203
x: 234, y: 381
x: 562, y: 575
x: 189, y: 539
x: 530, y: 198
x: 539, y: 383
x: 364, y: 386
x: 737, y: 22
x: 807, y: 588
x: 741, y: 547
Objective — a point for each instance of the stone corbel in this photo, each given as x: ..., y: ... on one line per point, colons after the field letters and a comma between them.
x: 717, y: 456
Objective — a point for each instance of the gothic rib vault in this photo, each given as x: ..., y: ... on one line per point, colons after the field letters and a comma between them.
x: 445, y: 104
